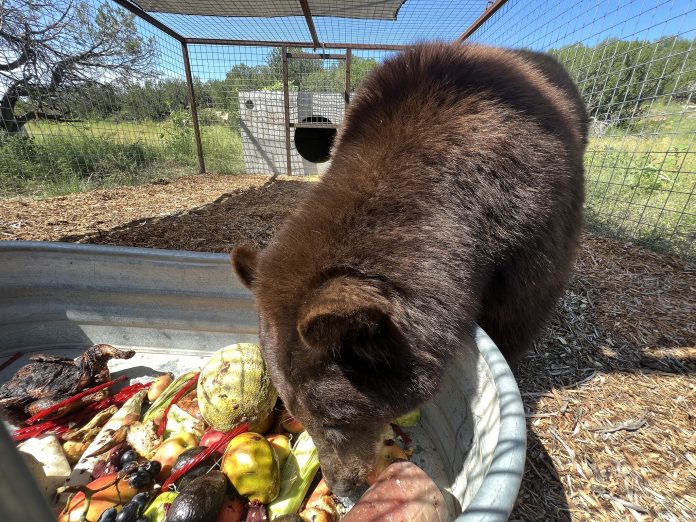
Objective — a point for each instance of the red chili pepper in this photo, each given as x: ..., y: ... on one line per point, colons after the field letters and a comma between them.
x: 60, y: 426
x: 44, y: 413
x: 224, y: 441
x: 39, y: 429
x: 183, y: 391
x: 25, y: 434
x: 118, y: 398
x: 127, y: 392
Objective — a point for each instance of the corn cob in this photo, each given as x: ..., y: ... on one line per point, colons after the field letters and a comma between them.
x: 165, y: 399
x: 295, y: 477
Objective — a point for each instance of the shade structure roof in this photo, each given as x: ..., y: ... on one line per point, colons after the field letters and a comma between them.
x: 366, y: 9
x: 337, y: 23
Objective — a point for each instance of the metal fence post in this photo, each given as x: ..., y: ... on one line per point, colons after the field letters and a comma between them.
x: 349, y: 55
x: 194, y: 110
x: 286, y: 101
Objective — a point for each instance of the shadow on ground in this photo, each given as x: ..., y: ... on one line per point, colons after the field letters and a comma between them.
x: 243, y: 216
x: 599, y: 384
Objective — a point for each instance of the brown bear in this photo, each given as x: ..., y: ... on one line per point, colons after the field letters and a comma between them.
x: 454, y: 197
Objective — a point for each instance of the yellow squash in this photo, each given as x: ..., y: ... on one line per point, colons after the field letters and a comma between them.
x: 251, y: 464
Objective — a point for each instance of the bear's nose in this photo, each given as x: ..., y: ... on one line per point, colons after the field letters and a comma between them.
x: 350, y: 495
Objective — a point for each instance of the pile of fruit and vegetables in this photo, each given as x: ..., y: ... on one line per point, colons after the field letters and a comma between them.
x: 209, y: 445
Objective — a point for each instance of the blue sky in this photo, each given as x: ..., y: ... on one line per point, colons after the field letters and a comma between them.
x: 537, y: 24
x: 541, y: 24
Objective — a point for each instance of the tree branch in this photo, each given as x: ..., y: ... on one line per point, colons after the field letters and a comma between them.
x: 56, y: 23
x: 52, y: 48
x: 25, y: 55
x: 11, y: 66
x: 12, y: 37
x: 39, y: 115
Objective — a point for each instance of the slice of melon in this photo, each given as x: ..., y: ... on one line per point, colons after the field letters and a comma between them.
x: 234, y: 387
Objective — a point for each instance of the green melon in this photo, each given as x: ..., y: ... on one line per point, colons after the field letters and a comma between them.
x: 234, y: 387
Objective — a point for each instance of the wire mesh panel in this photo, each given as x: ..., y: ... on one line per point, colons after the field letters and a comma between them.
x: 224, y: 75
x: 387, y: 23
x: 635, y: 64
x: 419, y: 20
x: 102, y: 94
x: 94, y: 95
x: 240, y: 94
x: 324, y: 87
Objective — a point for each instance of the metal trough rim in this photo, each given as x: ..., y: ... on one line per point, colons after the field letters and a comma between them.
x: 495, y: 497
x: 504, y: 476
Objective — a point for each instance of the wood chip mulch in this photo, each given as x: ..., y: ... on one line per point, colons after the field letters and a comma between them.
x: 211, y: 213
x: 609, y: 390
x: 610, y: 393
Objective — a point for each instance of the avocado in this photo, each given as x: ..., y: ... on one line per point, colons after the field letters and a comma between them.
x: 201, y: 469
x: 200, y: 500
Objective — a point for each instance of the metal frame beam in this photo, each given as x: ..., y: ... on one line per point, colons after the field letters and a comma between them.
x: 149, y: 19
x: 286, y: 101
x: 194, y: 109
x: 490, y: 11
x: 310, y: 23
x: 318, y: 56
x: 349, y: 56
x: 303, y: 45
x: 317, y: 125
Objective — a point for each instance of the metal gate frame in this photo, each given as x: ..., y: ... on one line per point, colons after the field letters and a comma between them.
x: 286, y: 93
x: 314, y: 44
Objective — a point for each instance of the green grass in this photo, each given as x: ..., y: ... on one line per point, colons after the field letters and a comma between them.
x: 222, y: 149
x: 641, y: 180
x: 61, y: 158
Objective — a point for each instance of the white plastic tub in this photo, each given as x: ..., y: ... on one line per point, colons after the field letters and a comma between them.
x: 175, y: 308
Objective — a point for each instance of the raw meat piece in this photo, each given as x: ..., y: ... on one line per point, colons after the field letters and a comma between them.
x: 50, y: 378
x: 402, y: 493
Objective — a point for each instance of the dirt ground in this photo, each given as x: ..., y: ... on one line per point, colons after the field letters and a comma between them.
x: 610, y: 389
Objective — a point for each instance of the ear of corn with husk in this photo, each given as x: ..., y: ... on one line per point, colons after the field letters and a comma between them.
x: 157, y: 408
x: 295, y: 477
x: 127, y: 414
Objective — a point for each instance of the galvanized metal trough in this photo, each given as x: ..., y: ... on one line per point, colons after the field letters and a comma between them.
x: 175, y: 308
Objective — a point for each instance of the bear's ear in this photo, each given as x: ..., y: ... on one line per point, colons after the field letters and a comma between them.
x: 244, y: 261
x: 348, y: 317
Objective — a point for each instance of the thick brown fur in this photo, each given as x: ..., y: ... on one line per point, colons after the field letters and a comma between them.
x: 454, y: 198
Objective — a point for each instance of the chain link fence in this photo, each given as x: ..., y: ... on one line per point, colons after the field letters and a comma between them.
x: 124, y: 114
x: 97, y: 96
x: 635, y: 64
